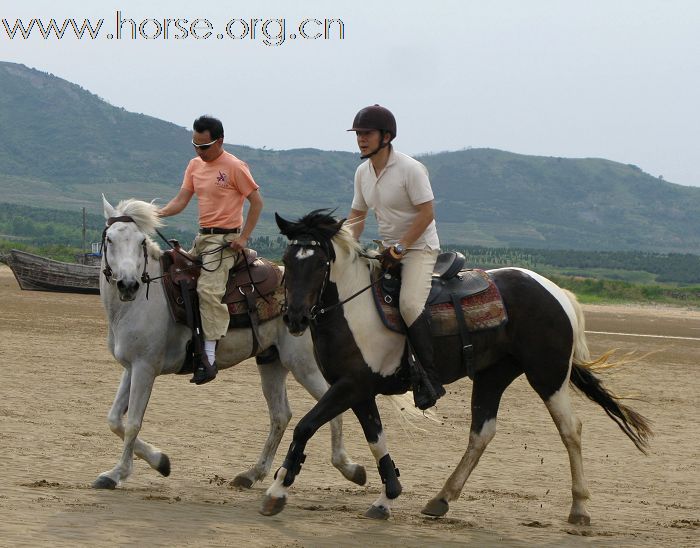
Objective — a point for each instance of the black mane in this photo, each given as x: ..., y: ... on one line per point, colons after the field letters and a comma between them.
x: 319, y: 225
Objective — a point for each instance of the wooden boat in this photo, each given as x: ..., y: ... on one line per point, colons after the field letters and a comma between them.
x: 36, y: 273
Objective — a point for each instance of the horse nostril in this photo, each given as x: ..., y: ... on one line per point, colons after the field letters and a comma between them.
x: 120, y: 285
x: 285, y: 319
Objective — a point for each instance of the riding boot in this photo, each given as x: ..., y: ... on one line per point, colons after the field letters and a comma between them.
x: 428, y: 388
x: 204, y: 371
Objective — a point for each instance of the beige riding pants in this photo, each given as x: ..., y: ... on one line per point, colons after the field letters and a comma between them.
x: 416, y: 274
x: 212, y: 282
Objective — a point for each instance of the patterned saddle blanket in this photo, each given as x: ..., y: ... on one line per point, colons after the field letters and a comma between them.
x: 480, y: 301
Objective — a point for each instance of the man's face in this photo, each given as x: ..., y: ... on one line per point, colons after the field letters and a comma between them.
x: 368, y: 141
x: 207, y: 153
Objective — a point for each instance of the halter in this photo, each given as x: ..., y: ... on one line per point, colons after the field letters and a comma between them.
x: 318, y: 308
x: 107, y: 271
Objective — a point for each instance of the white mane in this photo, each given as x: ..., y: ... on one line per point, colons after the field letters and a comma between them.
x: 145, y: 217
x: 346, y: 242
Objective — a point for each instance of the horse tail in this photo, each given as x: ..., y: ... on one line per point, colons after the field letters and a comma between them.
x: 635, y: 426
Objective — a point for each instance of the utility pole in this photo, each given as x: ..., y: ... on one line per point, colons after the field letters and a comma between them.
x: 84, y: 251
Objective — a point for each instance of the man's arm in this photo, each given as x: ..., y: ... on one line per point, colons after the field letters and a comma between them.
x: 255, y: 202
x: 177, y: 204
x: 356, y: 222
x: 423, y: 218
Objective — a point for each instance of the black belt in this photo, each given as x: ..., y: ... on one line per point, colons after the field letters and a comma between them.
x: 216, y: 230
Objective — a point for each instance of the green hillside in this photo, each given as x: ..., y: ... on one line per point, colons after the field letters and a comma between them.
x: 68, y: 146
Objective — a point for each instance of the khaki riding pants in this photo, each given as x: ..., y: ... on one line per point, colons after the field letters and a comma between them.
x: 416, y: 275
x: 211, y: 286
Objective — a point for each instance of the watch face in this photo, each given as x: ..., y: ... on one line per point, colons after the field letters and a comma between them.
x: 399, y: 249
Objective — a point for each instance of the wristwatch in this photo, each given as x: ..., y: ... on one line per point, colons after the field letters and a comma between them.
x: 398, y: 250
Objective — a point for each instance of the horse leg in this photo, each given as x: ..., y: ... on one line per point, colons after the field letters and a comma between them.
x: 368, y: 415
x: 569, y: 426
x: 132, y: 397
x: 338, y: 398
x: 273, y: 379
x: 487, y: 389
x: 312, y: 379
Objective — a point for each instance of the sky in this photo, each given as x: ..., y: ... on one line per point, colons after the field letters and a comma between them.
x: 615, y: 79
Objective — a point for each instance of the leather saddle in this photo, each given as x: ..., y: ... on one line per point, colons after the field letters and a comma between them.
x: 450, y: 279
x: 251, y: 279
x: 460, y: 301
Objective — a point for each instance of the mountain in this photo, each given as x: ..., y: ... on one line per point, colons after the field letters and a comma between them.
x: 64, y: 146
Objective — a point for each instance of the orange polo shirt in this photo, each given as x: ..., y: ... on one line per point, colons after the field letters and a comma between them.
x: 221, y: 187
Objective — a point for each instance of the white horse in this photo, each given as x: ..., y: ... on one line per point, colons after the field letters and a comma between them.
x: 147, y: 342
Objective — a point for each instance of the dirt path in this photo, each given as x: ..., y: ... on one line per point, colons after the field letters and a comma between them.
x: 58, y: 382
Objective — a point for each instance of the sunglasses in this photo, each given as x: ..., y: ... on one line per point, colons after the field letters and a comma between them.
x: 203, y: 146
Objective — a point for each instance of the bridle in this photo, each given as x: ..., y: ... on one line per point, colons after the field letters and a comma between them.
x: 318, y: 308
x: 107, y: 271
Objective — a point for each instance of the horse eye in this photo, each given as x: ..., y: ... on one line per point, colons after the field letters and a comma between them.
x: 109, y: 240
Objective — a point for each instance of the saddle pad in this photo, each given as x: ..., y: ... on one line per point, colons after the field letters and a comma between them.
x: 484, y: 310
x: 269, y: 306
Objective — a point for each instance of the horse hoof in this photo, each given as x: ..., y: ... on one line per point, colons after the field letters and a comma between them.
x: 378, y: 512
x: 579, y: 519
x: 164, y: 465
x: 359, y: 475
x: 104, y: 482
x: 272, y: 505
x: 436, y: 507
x: 242, y: 482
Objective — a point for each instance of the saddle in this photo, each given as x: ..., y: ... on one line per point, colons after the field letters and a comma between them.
x: 254, y: 292
x: 461, y: 301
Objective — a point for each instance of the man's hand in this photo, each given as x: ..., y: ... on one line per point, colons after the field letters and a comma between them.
x: 389, y: 259
x: 239, y: 243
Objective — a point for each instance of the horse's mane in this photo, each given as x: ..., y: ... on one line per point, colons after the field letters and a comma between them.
x: 321, y: 225
x: 145, y: 216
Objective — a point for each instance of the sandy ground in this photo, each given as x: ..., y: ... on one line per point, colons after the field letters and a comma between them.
x: 59, y: 380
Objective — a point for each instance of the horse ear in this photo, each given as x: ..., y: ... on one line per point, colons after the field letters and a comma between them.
x: 339, y: 224
x: 282, y: 224
x: 109, y: 211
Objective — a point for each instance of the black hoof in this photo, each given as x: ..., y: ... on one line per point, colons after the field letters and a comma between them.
x: 104, y: 482
x: 358, y: 475
x: 164, y: 465
x: 242, y: 482
x: 272, y: 505
x: 436, y: 508
x: 378, y: 512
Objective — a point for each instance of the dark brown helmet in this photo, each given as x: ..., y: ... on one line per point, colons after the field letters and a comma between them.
x: 375, y: 117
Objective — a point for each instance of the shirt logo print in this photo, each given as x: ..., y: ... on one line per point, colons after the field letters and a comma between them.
x: 222, y: 180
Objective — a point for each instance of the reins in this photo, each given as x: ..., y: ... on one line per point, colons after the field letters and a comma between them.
x: 314, y: 311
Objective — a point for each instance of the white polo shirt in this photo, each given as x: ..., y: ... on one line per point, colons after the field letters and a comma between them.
x: 401, y: 186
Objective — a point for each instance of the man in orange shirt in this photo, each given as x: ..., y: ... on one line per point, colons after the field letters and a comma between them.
x: 222, y: 183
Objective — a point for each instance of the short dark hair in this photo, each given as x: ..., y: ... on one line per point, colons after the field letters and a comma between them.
x: 210, y: 124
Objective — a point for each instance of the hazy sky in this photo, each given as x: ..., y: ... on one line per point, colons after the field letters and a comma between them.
x: 617, y: 79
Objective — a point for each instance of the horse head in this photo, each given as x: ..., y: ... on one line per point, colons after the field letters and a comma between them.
x: 126, y: 245
x: 307, y: 261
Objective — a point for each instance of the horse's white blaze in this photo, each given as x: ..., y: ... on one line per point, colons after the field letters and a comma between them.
x: 304, y: 253
x: 553, y: 288
x: 381, y: 348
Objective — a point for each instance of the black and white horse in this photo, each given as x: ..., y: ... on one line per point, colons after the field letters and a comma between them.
x: 326, y: 272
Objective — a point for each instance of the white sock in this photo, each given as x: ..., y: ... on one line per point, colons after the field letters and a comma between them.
x: 210, y: 350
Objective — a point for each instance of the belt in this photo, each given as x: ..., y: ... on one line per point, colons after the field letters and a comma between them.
x: 215, y: 230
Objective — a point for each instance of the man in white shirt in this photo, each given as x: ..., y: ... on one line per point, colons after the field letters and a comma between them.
x: 398, y: 189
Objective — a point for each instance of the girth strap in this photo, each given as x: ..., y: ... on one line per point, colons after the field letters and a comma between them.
x: 467, y: 353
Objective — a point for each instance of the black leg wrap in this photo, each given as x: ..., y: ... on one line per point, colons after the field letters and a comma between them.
x: 295, y: 458
x: 390, y: 476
